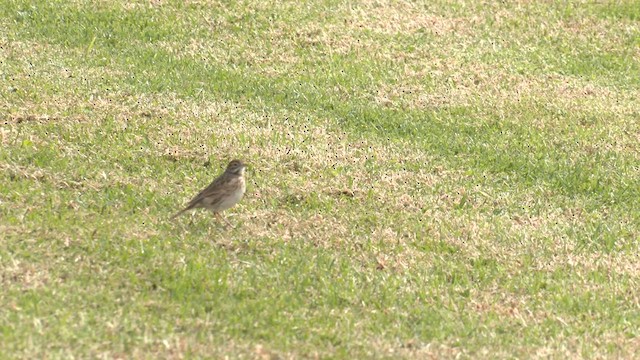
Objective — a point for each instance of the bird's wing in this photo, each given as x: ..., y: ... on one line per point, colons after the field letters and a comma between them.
x: 206, y: 192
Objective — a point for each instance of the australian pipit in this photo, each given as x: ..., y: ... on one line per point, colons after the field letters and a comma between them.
x: 224, y: 192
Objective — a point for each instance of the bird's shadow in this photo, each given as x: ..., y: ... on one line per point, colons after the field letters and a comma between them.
x: 206, y: 228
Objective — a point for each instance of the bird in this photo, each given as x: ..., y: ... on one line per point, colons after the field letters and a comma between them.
x: 223, y: 193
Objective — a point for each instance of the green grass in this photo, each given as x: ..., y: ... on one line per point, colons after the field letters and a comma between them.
x: 429, y: 179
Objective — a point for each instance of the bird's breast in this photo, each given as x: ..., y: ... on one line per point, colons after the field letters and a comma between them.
x: 234, y: 196
x: 243, y: 184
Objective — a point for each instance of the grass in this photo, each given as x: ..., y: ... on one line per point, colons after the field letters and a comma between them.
x: 438, y: 179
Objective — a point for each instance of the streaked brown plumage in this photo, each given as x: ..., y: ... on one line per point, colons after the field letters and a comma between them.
x: 224, y: 192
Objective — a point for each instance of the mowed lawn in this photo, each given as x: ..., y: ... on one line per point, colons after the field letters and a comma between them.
x: 430, y: 179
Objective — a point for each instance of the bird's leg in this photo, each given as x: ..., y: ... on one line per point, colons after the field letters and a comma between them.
x: 219, y: 216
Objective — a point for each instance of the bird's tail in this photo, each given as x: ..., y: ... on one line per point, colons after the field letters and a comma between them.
x: 179, y: 213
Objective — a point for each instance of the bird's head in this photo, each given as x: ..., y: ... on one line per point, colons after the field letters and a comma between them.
x: 236, y: 167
